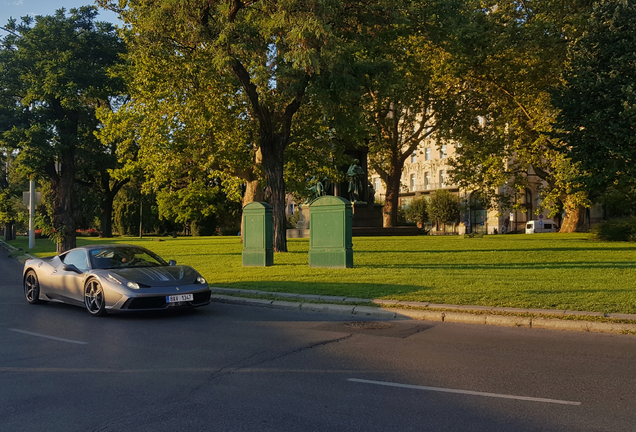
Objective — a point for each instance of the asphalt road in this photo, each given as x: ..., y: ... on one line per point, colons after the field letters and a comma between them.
x: 240, y: 368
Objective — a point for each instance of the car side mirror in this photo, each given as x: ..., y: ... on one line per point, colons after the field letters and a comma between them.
x: 71, y: 267
x: 172, y: 263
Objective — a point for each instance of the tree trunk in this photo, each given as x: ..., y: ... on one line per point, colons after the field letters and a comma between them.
x: 574, y: 220
x: 106, y: 207
x: 62, y: 182
x: 273, y: 146
x: 9, y: 232
x: 62, y: 216
x: 391, y: 200
x: 106, y: 217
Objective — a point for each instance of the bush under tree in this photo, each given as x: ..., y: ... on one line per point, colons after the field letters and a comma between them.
x: 418, y: 211
x: 443, y: 208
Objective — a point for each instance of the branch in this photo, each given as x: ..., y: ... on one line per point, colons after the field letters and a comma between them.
x: 244, y: 78
x: 294, y: 105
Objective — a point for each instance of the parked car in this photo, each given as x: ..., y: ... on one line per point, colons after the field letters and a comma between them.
x: 541, y: 226
x: 105, y: 278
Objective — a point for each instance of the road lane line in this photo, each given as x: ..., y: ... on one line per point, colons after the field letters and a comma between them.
x: 466, y: 392
x: 49, y: 337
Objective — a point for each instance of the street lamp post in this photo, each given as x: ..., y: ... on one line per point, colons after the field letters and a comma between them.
x: 31, y: 213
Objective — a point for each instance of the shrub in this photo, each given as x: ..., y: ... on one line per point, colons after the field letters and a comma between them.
x: 418, y: 211
x: 443, y: 207
x: 292, y: 220
x: 623, y: 229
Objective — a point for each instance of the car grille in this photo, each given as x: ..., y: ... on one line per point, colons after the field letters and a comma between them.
x: 159, y: 302
x: 202, y: 297
x: 147, y: 303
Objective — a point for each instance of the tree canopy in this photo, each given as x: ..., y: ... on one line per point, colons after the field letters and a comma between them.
x: 598, y: 97
x: 512, y: 54
x: 55, y: 73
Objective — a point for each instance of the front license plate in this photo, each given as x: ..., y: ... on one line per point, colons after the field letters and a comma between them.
x: 179, y: 298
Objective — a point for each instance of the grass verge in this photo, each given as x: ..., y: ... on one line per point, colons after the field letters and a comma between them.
x: 542, y: 271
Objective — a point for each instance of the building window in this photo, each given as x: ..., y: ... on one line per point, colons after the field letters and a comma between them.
x: 427, y: 153
x: 442, y: 152
x: 442, y: 178
x: 427, y: 181
x: 412, y: 182
x: 413, y: 157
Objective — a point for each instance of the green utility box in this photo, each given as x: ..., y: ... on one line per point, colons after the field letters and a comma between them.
x: 330, y: 240
x: 258, y: 235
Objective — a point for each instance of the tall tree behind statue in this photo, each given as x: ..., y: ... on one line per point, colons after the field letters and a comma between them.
x: 273, y: 50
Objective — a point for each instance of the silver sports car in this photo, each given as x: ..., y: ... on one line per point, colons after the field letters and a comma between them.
x: 105, y: 278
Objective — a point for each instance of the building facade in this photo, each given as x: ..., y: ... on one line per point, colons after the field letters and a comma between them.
x: 426, y: 171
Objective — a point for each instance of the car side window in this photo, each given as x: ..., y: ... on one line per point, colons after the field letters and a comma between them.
x: 78, y: 258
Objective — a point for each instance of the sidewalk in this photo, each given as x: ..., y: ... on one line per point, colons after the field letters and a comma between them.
x: 393, y: 309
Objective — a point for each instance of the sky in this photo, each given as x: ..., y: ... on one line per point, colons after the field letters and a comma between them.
x: 20, y: 8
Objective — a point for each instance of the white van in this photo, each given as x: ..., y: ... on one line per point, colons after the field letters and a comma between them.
x: 541, y: 226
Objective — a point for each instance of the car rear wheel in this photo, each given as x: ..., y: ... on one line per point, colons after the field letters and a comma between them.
x: 94, y: 298
x: 32, y: 288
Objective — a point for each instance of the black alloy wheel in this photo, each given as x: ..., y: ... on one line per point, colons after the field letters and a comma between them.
x: 94, y: 298
x: 32, y: 288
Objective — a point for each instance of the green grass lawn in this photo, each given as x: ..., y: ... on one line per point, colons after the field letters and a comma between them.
x: 556, y: 271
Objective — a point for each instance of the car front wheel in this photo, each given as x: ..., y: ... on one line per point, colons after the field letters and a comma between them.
x: 32, y: 288
x: 94, y: 298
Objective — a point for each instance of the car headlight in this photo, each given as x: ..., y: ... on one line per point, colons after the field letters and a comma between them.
x: 201, y: 280
x: 133, y: 285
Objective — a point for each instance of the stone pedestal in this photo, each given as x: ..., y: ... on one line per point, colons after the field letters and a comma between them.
x: 366, y: 214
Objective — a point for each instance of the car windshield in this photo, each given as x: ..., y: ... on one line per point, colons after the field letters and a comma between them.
x: 124, y: 257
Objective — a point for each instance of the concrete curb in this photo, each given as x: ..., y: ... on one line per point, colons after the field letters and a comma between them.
x: 464, y: 316
x: 10, y: 248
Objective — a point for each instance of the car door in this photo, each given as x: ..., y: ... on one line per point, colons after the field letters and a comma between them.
x: 71, y: 283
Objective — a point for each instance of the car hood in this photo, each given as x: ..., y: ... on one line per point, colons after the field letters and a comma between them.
x: 158, y: 276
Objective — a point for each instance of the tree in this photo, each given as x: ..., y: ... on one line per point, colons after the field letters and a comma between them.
x: 272, y: 50
x: 512, y: 54
x: 418, y: 211
x: 598, y: 98
x: 407, y: 97
x: 54, y: 74
x: 443, y: 207
x: 405, y: 107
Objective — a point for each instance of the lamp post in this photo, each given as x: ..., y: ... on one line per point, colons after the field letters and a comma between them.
x: 31, y: 213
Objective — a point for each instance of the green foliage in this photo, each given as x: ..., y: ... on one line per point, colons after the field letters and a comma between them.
x: 619, y: 202
x: 292, y: 220
x: 615, y: 230
x: 510, y: 56
x: 55, y: 74
x: 443, y: 207
x: 12, y: 210
x: 598, y: 101
x: 418, y: 211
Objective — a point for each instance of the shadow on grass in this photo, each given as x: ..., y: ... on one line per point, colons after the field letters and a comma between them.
x: 509, y: 266
x: 546, y: 249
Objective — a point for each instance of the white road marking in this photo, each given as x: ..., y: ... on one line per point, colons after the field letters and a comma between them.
x: 49, y: 337
x: 466, y: 392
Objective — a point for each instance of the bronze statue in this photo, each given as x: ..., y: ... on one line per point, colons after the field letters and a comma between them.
x: 355, y: 174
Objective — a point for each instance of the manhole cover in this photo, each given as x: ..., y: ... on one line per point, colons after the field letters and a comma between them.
x: 368, y: 325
